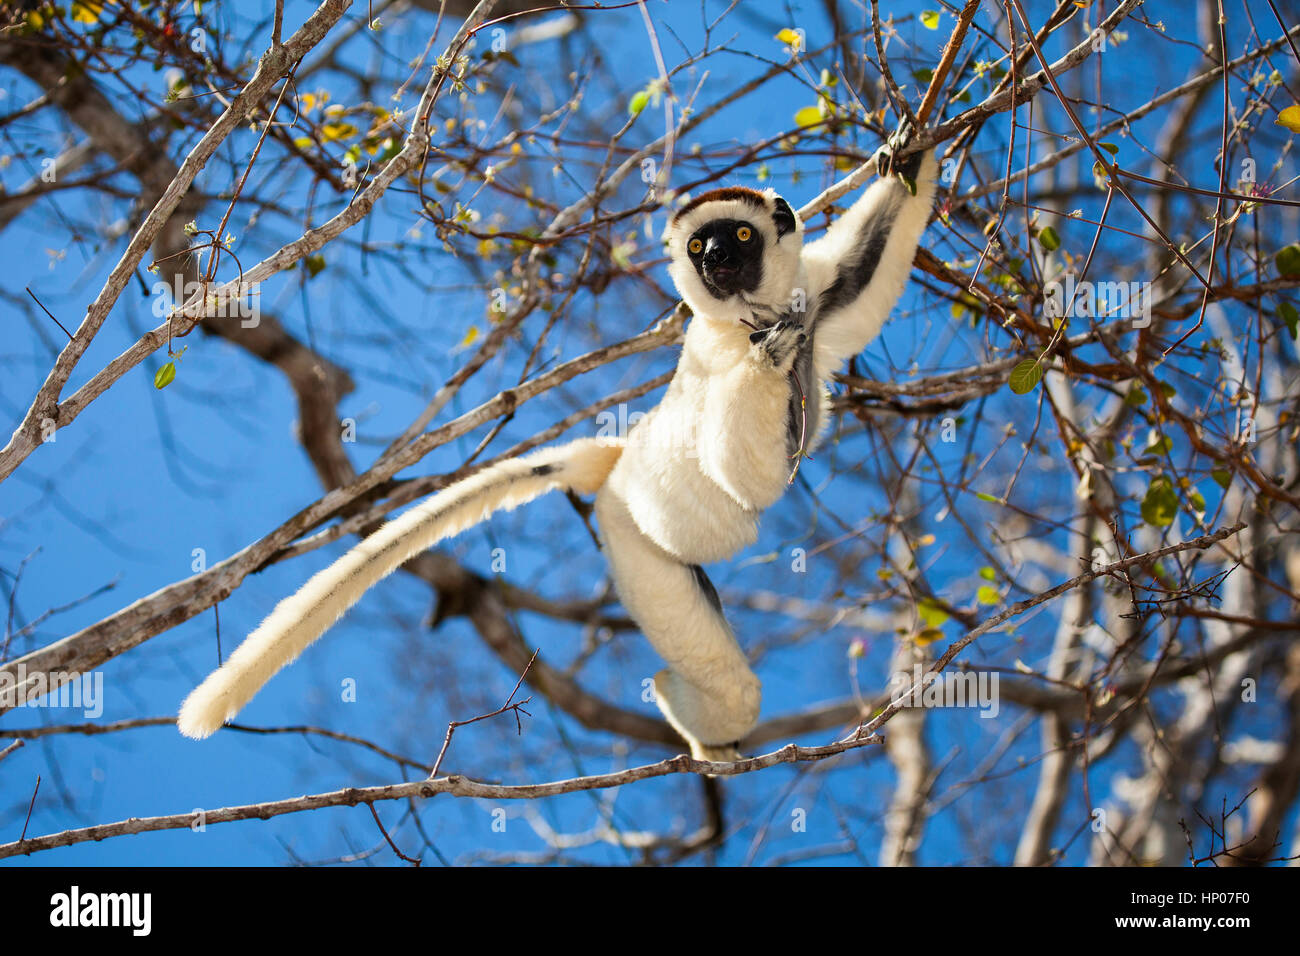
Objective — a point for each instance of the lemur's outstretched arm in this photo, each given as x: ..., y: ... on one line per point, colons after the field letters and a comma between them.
x: 858, y: 269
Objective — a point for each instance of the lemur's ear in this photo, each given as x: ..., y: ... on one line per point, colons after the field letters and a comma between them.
x: 782, y: 216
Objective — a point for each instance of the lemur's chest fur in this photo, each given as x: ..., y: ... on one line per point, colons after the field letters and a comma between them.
x: 718, y: 450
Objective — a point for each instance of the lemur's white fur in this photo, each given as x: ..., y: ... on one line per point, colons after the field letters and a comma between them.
x: 298, y: 620
x: 688, y: 485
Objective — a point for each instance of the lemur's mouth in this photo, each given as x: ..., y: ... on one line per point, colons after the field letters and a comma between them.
x: 722, y: 281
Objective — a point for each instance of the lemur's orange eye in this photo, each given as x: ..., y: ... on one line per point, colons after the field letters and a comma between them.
x: 695, y: 247
x: 743, y: 233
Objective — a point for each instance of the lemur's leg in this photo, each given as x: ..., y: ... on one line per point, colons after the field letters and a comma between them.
x: 707, y: 692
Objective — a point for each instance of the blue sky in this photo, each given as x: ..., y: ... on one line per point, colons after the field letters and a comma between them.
x: 126, y: 497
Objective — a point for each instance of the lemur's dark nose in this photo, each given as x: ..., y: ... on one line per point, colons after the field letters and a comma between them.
x: 716, y: 255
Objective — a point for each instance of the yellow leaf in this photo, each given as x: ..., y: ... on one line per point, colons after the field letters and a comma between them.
x: 809, y: 117
x: 336, y: 131
x: 87, y: 12
x: 470, y: 337
x: 930, y: 19
x: 790, y: 38
x: 928, y: 636
x: 1290, y: 118
x: 309, y: 101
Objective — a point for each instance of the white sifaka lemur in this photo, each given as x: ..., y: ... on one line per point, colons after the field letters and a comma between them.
x: 773, y: 319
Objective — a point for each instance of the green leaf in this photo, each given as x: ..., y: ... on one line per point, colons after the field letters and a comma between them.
x: 1222, y: 477
x: 1160, y: 506
x: 165, y: 375
x: 988, y: 595
x: 392, y: 146
x: 638, y: 102
x: 985, y: 496
x: 930, y: 19
x: 1288, y: 261
x: 988, y: 574
x: 1135, y: 397
x: 1288, y: 314
x: 1158, y: 444
x: 931, y: 613
x: 1025, y: 376
x: 1110, y: 148
x: 314, y: 265
x: 1048, y: 239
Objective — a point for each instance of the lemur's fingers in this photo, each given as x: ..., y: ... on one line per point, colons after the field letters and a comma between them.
x: 902, y: 136
x: 886, y: 157
x: 780, y: 343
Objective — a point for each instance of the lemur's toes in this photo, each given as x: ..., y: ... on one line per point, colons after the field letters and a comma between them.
x: 717, y: 753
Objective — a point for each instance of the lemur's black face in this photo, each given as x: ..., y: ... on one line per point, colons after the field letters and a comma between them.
x: 728, y: 255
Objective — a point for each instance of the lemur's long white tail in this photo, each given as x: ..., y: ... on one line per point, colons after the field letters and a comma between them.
x: 297, y: 621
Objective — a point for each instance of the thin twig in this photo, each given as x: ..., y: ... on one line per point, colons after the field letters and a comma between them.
x: 517, y: 706
x: 380, y: 823
x: 48, y: 312
x: 30, y: 806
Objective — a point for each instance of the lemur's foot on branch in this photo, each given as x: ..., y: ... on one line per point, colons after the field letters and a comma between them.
x: 886, y: 158
x: 780, y: 343
x: 718, y: 753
